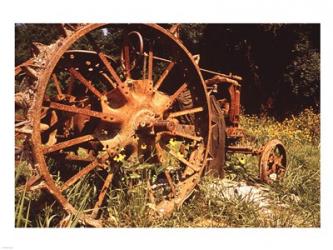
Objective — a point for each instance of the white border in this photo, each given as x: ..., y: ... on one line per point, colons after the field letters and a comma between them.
x: 230, y: 11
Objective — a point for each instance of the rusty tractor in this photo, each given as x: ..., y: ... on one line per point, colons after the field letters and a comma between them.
x: 87, y: 111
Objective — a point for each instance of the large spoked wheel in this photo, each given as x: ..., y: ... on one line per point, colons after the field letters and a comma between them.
x: 116, y: 117
x: 273, y: 162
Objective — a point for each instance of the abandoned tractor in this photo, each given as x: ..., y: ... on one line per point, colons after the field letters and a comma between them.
x: 140, y: 113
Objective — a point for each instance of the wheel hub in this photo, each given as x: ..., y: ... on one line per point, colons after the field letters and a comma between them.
x: 142, y: 119
x: 140, y: 111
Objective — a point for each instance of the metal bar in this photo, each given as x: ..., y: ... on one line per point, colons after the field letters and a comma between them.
x: 234, y: 77
x: 181, y: 159
x: 83, y: 111
x: 217, y: 79
x: 144, y: 69
x: 127, y: 58
x: 23, y: 130
x: 155, y: 57
x: 67, y: 144
x: 188, y: 136
x: 108, y: 66
x: 109, y: 80
x: 21, y: 123
x: 121, y: 86
x: 176, y: 94
x: 19, y: 68
x: 243, y: 150
x: 30, y: 71
x: 150, y: 65
x: 101, y: 195
x: 237, y: 106
x: 57, y: 84
x: 87, y: 83
x: 81, y: 173
x: 72, y: 157
x: 164, y: 75
x: 185, y: 112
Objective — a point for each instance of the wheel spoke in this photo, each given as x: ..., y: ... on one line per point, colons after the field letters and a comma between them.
x: 144, y: 67
x: 109, y: 80
x: 160, y: 152
x: 184, y: 135
x: 107, y: 64
x: 176, y: 94
x: 83, y: 111
x: 82, y: 79
x: 121, y: 86
x: 159, y: 149
x: 185, y: 112
x: 163, y: 76
x: 185, y: 131
x: 73, y: 157
x: 150, y: 64
x: 57, y: 85
x: 83, y: 172
x: 102, y: 194
x: 183, y: 160
x: 127, y: 62
x: 67, y: 144
x: 105, y: 61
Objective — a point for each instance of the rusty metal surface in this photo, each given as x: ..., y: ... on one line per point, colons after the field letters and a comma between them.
x: 88, y: 107
x: 126, y: 114
x: 273, y: 162
x: 244, y: 150
x: 272, y: 157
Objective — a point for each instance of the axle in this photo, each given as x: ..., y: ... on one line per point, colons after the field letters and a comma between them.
x: 243, y: 150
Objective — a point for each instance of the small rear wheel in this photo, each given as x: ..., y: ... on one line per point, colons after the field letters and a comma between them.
x: 273, y: 162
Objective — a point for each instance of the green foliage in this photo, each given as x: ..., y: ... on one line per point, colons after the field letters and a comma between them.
x: 303, y: 73
x: 22, y: 172
x: 22, y: 209
x: 26, y: 34
x: 294, y: 202
x: 192, y: 35
x: 304, y: 128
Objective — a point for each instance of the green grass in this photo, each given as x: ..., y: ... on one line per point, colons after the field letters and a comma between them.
x: 294, y: 202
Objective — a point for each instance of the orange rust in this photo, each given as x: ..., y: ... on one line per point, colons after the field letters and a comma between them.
x: 271, y: 163
x: 135, y: 118
x: 102, y: 194
x: 164, y: 75
x: 127, y: 114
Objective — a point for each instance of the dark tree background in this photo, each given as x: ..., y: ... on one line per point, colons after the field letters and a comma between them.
x: 280, y: 63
